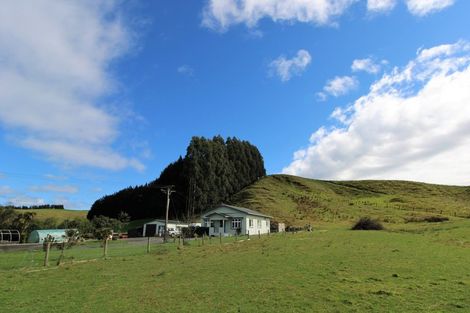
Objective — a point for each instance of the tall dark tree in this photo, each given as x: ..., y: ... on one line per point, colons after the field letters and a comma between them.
x: 211, y: 172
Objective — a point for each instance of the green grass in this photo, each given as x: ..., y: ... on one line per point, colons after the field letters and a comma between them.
x: 407, y: 268
x: 298, y: 201
x: 58, y: 215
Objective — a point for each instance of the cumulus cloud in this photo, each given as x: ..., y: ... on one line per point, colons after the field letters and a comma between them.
x: 339, y: 86
x: 366, y: 65
x: 414, y: 124
x: 286, y: 68
x: 55, y: 61
x: 221, y: 14
x: 425, y: 7
x: 380, y: 6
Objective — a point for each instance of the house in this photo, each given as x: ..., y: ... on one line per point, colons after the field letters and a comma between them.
x: 229, y: 220
x: 157, y: 227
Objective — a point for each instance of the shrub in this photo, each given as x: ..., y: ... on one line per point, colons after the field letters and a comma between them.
x: 366, y: 223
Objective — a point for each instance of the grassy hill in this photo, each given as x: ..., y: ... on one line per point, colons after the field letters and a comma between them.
x: 58, y: 215
x: 298, y: 201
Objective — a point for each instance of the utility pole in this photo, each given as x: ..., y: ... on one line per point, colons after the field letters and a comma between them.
x: 168, y: 190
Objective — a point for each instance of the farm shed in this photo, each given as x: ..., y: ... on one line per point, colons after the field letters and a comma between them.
x: 227, y: 220
x: 157, y: 227
x: 38, y: 236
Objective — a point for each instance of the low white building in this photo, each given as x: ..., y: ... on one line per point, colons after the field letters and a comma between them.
x: 228, y: 220
x: 157, y: 227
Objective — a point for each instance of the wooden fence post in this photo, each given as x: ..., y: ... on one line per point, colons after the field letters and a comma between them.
x: 46, y: 258
x: 259, y: 234
x: 105, y: 252
x: 203, y: 238
x: 220, y: 238
x: 148, y: 244
x: 248, y: 234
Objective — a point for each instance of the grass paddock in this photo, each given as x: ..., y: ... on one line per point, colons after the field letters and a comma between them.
x: 407, y: 268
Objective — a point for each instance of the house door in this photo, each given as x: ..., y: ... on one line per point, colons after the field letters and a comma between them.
x: 216, y: 226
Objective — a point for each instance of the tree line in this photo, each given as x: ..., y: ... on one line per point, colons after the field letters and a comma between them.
x: 210, y: 173
x: 26, y: 222
x: 34, y: 207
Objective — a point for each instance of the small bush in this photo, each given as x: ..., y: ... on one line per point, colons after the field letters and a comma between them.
x: 366, y: 223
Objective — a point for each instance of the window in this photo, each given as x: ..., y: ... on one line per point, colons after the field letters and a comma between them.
x: 236, y: 223
x: 250, y: 222
x: 221, y: 223
x: 259, y: 223
x: 212, y: 223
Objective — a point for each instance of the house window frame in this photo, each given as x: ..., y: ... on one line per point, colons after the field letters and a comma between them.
x: 237, y: 223
x: 250, y: 222
x: 258, y: 223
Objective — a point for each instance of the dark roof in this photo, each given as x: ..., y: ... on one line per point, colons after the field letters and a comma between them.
x: 244, y: 210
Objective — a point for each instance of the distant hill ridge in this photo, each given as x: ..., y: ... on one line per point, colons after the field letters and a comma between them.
x: 298, y: 201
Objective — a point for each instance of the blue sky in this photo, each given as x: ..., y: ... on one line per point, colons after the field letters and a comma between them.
x: 108, y: 96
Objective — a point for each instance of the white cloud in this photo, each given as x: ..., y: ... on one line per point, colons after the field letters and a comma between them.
x: 414, y: 124
x: 380, y: 6
x: 221, y: 14
x: 24, y: 200
x: 55, y: 188
x: 186, y: 70
x: 340, y: 85
x: 286, y: 68
x: 55, y: 60
x: 425, y: 7
x: 367, y: 65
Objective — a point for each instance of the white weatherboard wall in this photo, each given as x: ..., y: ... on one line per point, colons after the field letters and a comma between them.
x: 221, y: 221
x: 258, y: 224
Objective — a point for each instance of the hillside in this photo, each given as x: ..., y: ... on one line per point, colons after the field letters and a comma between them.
x: 298, y: 201
x: 58, y: 215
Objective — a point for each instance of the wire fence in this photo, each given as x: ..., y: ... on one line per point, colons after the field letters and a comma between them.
x: 88, y: 250
x: 95, y: 250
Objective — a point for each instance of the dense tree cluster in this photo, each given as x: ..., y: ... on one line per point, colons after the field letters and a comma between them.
x: 211, y: 172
